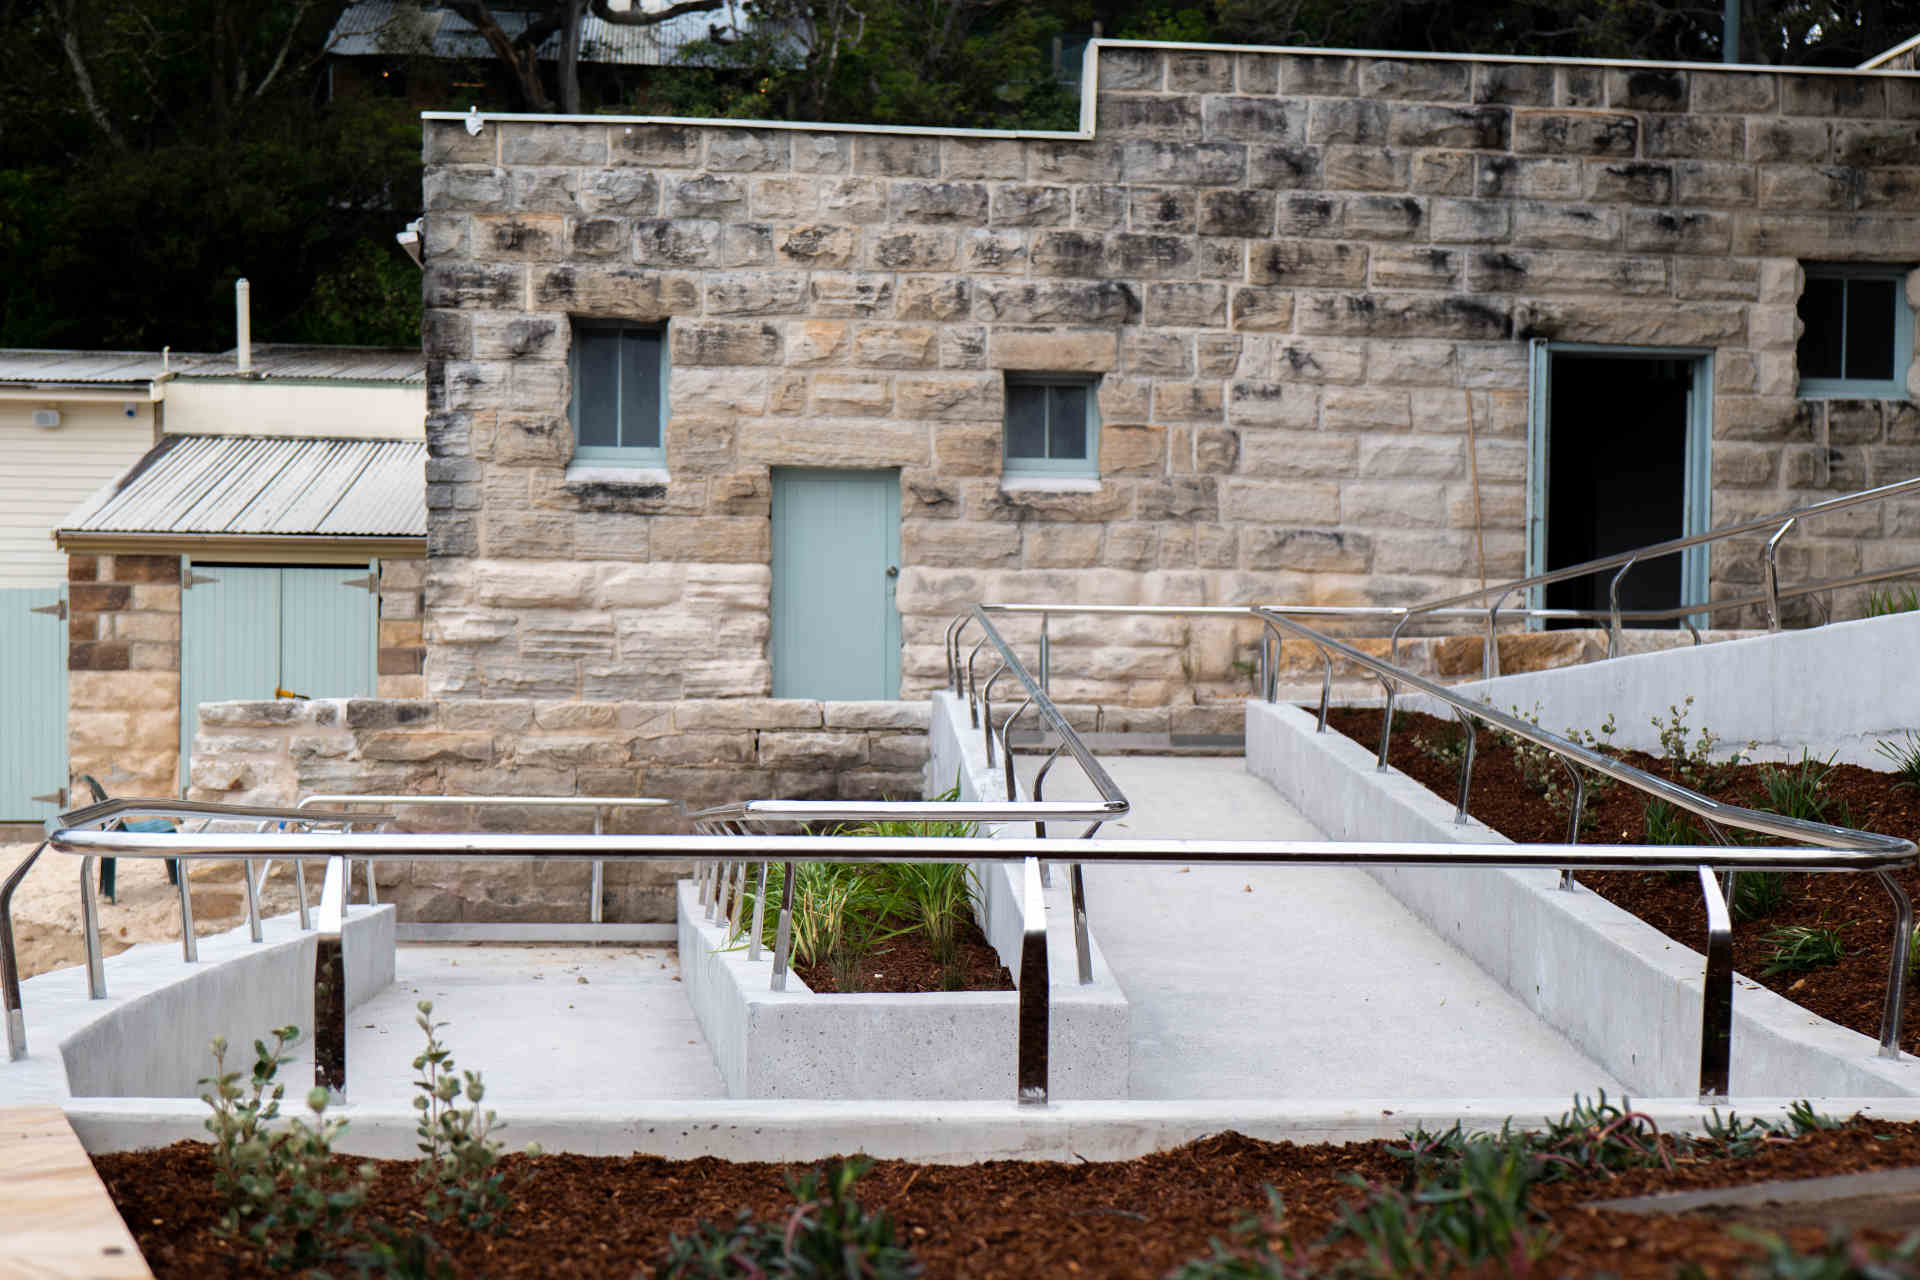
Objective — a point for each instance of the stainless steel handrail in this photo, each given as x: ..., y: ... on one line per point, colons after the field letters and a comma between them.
x: 599, y: 804
x: 93, y: 817
x: 1034, y: 980
x: 1850, y: 849
x: 1777, y: 525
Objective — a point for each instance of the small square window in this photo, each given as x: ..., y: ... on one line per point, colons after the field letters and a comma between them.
x: 1857, y: 331
x: 619, y: 406
x: 1053, y: 425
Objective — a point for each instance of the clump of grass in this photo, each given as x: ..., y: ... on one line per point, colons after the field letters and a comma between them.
x: 1841, y: 1257
x: 1668, y: 824
x: 1802, y: 948
x: 1797, y: 791
x: 1758, y: 894
x: 1906, y: 761
x: 1881, y: 602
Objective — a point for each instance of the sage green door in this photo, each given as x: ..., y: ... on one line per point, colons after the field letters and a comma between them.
x: 249, y: 631
x: 836, y: 557
x: 33, y: 696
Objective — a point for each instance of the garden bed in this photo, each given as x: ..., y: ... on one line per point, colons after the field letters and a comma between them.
x: 1848, y: 991
x: 1141, y: 1218
x: 907, y: 963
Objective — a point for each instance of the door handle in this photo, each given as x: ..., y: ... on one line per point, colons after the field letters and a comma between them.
x: 893, y: 571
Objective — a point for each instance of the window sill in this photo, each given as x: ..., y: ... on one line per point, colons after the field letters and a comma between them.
x: 1049, y: 484
x: 1865, y: 391
x: 646, y: 477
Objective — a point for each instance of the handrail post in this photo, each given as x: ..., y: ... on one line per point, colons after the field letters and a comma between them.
x: 254, y: 931
x: 189, y: 943
x: 1613, y: 606
x: 90, y: 931
x: 1716, y: 1014
x: 1006, y: 751
x: 986, y: 709
x: 1575, y: 816
x: 599, y: 882
x: 783, y: 930
x: 759, y: 916
x: 973, y: 695
x: 1326, y: 688
x: 1046, y: 657
x: 1386, y: 725
x: 329, y: 982
x: 1773, y: 574
x: 1082, y: 944
x: 9, y: 960
x: 1031, y: 1063
x: 1891, y: 1011
x: 1490, y: 659
x: 1466, y: 768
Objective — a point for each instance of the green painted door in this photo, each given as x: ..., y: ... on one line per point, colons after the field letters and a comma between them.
x: 248, y: 631
x: 836, y: 557
x: 33, y: 694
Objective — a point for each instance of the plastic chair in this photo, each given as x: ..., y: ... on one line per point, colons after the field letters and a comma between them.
x: 138, y: 824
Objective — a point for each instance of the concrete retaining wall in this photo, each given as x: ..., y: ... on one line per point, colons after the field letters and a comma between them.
x: 1838, y: 688
x: 149, y: 1038
x: 1617, y: 987
x: 951, y: 1045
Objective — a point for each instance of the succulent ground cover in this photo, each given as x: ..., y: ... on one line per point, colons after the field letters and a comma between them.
x: 1224, y: 1208
x: 1819, y: 940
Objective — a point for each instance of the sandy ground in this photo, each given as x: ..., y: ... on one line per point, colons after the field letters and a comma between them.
x: 46, y: 906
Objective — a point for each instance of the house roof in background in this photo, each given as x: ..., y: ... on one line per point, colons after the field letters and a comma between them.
x: 396, y: 28
x: 283, y: 361
x: 268, y: 487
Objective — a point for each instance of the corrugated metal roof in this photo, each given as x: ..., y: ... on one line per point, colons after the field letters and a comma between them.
x: 289, y: 360
x: 401, y: 28
x: 26, y: 365
x: 265, y: 486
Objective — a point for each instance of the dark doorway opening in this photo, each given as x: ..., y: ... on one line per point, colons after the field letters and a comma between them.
x: 1616, y: 475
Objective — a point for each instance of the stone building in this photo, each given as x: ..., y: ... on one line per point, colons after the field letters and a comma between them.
x: 727, y: 420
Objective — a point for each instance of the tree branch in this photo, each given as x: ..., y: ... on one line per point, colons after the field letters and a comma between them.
x: 525, y: 64
x: 651, y: 17
x: 70, y: 44
x: 280, y: 59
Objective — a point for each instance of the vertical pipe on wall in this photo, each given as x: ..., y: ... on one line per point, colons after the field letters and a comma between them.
x: 1730, y: 32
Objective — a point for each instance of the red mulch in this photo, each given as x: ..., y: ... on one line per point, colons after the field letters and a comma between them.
x: 906, y: 963
x: 1849, y: 992
x: 603, y: 1215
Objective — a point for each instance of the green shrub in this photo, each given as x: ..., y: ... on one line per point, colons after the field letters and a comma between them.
x: 1906, y: 761
x: 1881, y: 602
x: 1797, y: 791
x: 459, y: 1158
x: 1668, y: 824
x: 1690, y: 754
x: 828, y: 1234
x: 1801, y: 948
x: 1758, y: 894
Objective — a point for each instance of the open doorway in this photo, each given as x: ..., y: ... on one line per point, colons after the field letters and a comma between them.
x: 1619, y: 459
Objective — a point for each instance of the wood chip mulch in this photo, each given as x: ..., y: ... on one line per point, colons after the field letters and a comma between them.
x: 602, y: 1215
x: 1849, y: 992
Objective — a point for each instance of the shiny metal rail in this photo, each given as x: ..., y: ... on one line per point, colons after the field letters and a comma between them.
x: 1034, y: 975
x: 1846, y: 849
x: 98, y: 816
x: 1778, y: 526
x: 599, y: 805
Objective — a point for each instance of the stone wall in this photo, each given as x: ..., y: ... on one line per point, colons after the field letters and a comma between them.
x: 123, y: 663
x: 695, y: 752
x: 1308, y: 284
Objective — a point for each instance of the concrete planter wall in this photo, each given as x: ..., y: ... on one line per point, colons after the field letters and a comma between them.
x: 952, y: 1045
x: 149, y: 1038
x: 1617, y: 987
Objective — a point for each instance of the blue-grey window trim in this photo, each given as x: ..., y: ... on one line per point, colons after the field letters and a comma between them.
x: 617, y: 455
x: 1078, y: 468
x: 1894, y: 388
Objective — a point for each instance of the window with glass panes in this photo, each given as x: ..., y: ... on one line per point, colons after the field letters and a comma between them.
x: 619, y: 393
x: 1857, y: 331
x: 1053, y: 425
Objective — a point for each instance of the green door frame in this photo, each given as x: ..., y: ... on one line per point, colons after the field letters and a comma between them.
x: 1697, y: 507
x: 834, y: 568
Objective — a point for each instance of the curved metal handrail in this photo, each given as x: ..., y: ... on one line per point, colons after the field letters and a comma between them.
x: 1849, y: 849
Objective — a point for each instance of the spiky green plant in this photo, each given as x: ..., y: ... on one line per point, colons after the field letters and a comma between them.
x: 1906, y: 761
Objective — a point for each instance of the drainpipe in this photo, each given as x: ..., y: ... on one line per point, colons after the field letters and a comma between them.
x: 243, y: 320
x: 1730, y: 32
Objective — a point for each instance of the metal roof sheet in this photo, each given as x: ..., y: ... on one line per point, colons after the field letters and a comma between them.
x: 26, y: 365
x: 270, y: 360
x: 400, y: 28
x: 265, y: 486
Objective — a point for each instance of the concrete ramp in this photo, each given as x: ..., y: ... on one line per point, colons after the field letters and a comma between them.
x: 1296, y: 984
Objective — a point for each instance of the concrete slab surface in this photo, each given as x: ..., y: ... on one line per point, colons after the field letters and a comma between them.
x: 1886, y: 1198
x: 1298, y: 983
x: 588, y: 1024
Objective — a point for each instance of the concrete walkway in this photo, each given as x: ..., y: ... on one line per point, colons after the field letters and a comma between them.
x: 1295, y: 983
x: 590, y: 1024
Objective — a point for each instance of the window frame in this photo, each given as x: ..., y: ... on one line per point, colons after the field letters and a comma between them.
x: 1085, y: 467
x: 1893, y: 388
x: 652, y: 456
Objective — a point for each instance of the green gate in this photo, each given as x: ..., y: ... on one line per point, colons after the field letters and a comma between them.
x: 33, y: 697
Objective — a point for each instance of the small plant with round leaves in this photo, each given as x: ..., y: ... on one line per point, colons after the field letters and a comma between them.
x: 460, y: 1158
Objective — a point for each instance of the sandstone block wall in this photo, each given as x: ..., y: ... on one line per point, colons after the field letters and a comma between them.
x: 695, y: 752
x: 1307, y: 284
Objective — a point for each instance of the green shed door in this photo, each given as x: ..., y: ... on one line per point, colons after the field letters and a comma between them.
x: 836, y: 556
x: 248, y: 631
x: 33, y: 690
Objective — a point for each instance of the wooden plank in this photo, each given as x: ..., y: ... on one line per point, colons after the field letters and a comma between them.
x: 59, y: 1220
